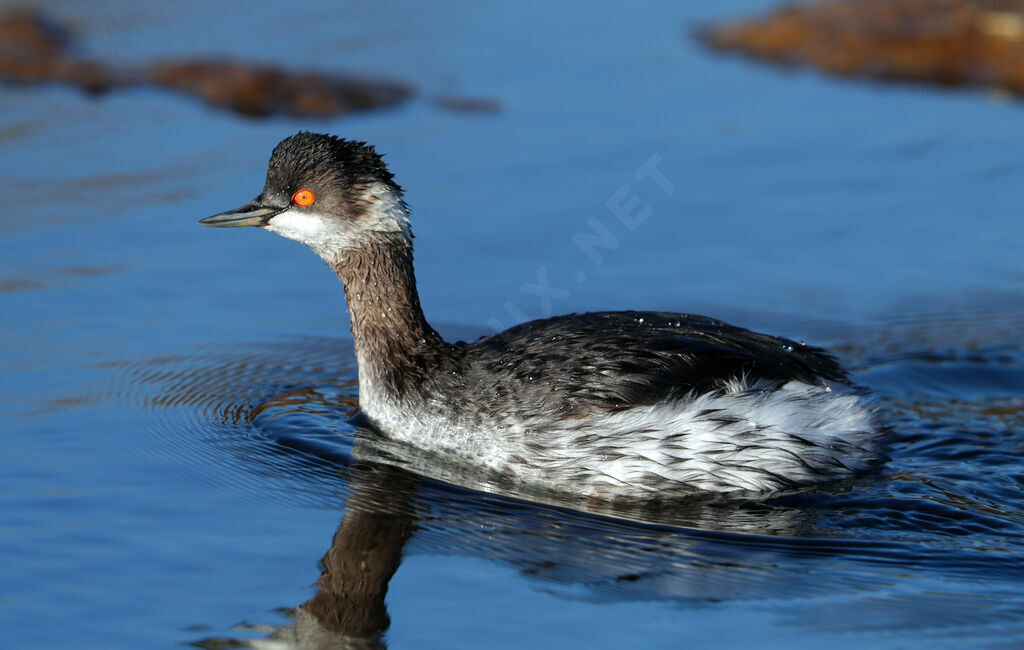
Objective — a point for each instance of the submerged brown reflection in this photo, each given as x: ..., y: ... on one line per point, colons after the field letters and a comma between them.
x: 348, y: 610
x: 364, y: 554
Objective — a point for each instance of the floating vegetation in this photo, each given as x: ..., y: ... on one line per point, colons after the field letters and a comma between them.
x: 974, y: 43
x: 35, y: 50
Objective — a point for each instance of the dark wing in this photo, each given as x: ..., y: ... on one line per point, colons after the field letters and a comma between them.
x: 622, y: 359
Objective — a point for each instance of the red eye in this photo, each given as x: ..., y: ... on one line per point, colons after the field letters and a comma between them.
x: 303, y: 197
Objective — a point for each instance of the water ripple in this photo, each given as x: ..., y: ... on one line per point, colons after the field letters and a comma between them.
x: 948, y: 510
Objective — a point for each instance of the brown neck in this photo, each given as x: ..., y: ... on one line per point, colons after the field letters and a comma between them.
x: 392, y: 337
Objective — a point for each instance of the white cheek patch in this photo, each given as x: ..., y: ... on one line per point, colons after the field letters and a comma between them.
x: 318, y: 231
x: 382, y: 211
x: 297, y: 225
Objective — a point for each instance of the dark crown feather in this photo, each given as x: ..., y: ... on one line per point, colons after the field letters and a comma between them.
x: 307, y: 155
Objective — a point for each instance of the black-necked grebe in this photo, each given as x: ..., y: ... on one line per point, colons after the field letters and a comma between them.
x: 634, y: 404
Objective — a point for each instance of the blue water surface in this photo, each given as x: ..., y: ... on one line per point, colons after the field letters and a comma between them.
x: 174, y: 403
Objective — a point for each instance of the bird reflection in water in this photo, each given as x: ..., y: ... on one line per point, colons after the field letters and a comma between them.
x: 618, y: 552
x: 348, y: 610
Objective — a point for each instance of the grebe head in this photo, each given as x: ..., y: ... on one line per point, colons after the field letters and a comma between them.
x: 329, y: 193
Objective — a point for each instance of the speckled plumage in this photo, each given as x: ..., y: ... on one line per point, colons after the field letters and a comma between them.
x: 606, y: 404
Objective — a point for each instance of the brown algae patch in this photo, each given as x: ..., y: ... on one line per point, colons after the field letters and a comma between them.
x: 974, y: 43
x: 34, y: 50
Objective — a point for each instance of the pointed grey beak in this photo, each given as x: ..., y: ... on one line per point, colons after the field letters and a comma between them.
x: 253, y: 214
